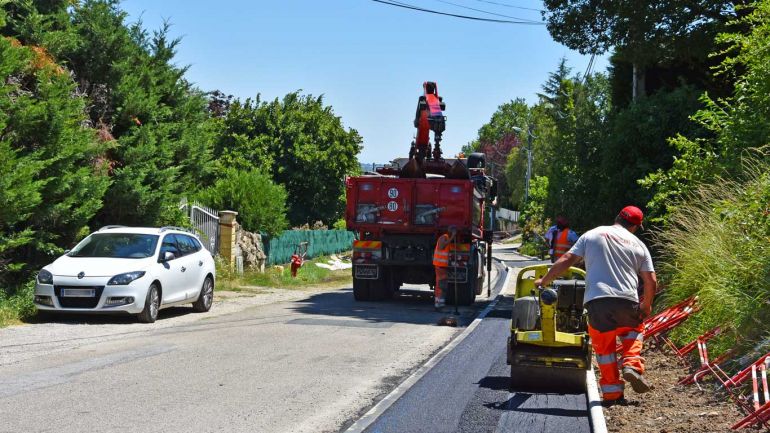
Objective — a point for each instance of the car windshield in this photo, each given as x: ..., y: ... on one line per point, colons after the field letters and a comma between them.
x: 116, y: 245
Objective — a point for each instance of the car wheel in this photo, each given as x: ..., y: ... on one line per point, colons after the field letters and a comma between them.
x: 151, y: 305
x: 206, y: 297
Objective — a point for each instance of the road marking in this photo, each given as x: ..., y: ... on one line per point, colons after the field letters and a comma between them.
x: 371, y: 416
x: 65, y: 373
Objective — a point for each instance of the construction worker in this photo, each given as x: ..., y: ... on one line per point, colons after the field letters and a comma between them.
x: 562, y: 238
x: 615, y: 259
x: 441, y: 263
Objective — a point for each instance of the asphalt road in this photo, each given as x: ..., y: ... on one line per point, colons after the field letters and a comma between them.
x: 467, y: 391
x: 305, y: 362
x: 292, y: 361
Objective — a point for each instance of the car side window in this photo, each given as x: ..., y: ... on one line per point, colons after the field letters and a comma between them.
x: 186, y: 244
x: 170, y: 245
x: 195, y: 243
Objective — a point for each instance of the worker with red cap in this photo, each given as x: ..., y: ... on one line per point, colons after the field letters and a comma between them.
x: 615, y: 260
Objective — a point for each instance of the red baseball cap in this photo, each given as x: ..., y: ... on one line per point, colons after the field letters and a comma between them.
x: 632, y: 214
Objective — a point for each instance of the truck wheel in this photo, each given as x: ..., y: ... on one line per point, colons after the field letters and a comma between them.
x: 381, y: 289
x: 361, y: 290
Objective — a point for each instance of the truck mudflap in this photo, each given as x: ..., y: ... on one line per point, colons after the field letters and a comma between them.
x: 366, y: 272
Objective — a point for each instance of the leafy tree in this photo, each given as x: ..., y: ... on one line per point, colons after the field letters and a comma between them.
x: 301, y: 144
x: 571, y: 135
x: 500, y: 138
x: 157, y: 123
x: 735, y: 125
x: 51, y: 176
x: 261, y: 204
x: 645, y: 33
x: 637, y: 144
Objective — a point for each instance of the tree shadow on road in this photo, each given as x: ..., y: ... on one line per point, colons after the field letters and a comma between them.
x: 103, y: 319
x: 407, y: 306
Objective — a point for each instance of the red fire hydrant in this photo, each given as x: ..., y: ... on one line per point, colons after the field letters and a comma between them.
x: 296, y: 263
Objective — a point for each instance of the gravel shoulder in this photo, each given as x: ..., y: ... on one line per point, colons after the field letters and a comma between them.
x: 670, y: 408
x: 63, y: 333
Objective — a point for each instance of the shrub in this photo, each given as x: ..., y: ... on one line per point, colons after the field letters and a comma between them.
x: 16, y: 304
x: 260, y: 203
x: 717, y: 246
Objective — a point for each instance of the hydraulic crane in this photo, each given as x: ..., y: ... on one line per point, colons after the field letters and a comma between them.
x: 429, y: 117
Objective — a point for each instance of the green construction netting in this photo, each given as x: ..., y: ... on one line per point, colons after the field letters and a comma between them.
x: 320, y: 242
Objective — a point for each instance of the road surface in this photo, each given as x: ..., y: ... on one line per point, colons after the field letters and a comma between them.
x: 279, y: 361
x: 467, y: 391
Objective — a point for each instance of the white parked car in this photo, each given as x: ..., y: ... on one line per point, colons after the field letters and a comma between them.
x: 130, y: 270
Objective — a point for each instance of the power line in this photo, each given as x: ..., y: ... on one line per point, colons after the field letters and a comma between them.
x: 487, y: 12
x: 467, y: 17
x: 510, y: 6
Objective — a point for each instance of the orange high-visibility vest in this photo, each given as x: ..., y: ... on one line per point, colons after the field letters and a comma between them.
x: 441, y: 256
x: 562, y: 245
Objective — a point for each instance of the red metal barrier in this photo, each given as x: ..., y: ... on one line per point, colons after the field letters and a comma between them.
x: 654, y: 327
x: 669, y: 318
x: 707, y: 365
x: 758, y: 411
x: 689, y: 347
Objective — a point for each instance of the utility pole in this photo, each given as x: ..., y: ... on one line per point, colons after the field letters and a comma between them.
x: 530, y: 135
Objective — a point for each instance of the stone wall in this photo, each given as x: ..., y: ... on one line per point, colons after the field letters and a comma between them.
x: 251, y: 249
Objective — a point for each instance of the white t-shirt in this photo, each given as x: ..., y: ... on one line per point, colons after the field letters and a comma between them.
x: 614, y: 258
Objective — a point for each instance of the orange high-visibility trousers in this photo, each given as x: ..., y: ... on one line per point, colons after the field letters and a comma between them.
x: 605, y: 345
x: 438, y: 292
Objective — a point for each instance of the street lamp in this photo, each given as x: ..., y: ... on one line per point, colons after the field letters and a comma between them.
x: 530, y: 136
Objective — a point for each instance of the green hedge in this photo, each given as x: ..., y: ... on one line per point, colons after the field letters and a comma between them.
x: 320, y: 242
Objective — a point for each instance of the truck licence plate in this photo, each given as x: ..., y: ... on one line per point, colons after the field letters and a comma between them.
x: 460, y: 275
x: 78, y: 293
x: 366, y: 272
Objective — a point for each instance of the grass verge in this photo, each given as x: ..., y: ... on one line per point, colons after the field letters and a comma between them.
x: 717, y: 246
x: 16, y: 304
x: 309, y: 275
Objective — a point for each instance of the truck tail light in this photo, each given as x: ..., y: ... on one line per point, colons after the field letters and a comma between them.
x: 366, y: 251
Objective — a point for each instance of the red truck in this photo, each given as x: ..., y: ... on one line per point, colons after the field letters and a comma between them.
x: 399, y: 212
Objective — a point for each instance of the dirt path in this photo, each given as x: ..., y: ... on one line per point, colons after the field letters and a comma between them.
x: 671, y: 408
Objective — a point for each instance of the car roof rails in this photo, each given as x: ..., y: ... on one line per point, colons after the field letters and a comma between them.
x: 114, y: 226
x: 181, y: 229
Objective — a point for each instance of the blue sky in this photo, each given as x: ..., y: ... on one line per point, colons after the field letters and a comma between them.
x: 368, y: 59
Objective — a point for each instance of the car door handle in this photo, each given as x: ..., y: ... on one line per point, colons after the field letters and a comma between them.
x: 200, y: 263
x: 183, y: 269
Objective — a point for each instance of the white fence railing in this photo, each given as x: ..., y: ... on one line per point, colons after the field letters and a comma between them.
x: 205, y: 222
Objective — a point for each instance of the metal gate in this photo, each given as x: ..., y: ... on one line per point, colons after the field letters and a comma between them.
x: 205, y: 222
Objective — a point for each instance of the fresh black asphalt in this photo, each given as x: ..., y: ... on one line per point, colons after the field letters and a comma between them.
x: 467, y: 391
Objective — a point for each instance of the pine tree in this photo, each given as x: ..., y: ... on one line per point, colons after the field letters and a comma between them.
x: 51, y: 177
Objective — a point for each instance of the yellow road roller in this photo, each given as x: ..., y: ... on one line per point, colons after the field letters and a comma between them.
x: 549, y: 348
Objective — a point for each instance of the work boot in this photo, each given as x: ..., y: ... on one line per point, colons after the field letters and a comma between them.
x: 616, y: 402
x: 637, y: 381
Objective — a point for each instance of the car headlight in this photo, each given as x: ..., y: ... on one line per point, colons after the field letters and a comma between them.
x: 44, y: 277
x: 123, y: 279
